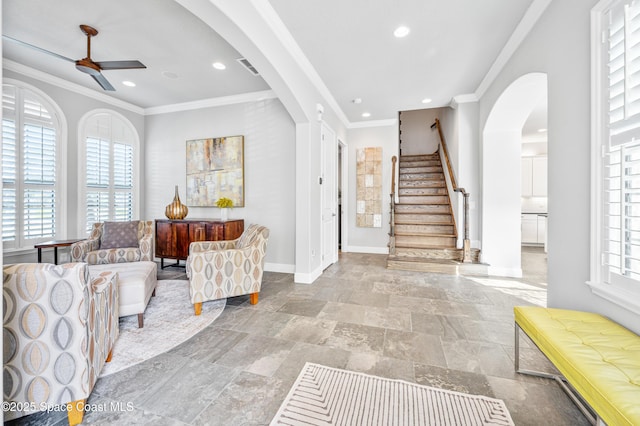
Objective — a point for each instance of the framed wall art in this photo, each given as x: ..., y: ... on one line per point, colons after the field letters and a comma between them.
x: 369, y: 187
x: 215, y: 169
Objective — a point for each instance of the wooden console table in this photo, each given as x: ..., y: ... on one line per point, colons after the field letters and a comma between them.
x: 174, y: 236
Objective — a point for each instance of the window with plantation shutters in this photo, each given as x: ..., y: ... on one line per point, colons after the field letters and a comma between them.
x: 30, y: 175
x: 109, y: 172
x: 615, y: 272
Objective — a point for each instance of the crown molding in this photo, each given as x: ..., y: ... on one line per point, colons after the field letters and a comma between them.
x: 212, y: 102
x: 526, y: 24
x: 462, y: 99
x: 375, y: 123
x: 67, y: 85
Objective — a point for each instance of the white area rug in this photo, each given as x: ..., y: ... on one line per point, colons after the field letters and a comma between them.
x: 168, y: 321
x: 329, y: 396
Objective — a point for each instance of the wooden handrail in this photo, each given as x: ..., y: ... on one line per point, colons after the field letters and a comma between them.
x: 393, y: 175
x: 466, y: 256
x: 445, y: 151
x: 392, y: 208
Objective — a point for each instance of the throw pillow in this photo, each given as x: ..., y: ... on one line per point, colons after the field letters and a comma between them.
x: 119, y: 234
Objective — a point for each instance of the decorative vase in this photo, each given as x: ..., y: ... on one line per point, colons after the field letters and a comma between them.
x: 176, y: 210
x: 224, y: 213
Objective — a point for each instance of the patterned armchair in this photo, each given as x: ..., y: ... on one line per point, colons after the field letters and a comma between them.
x: 116, y: 242
x: 59, y: 329
x: 221, y: 269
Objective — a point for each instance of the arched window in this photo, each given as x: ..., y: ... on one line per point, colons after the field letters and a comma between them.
x: 32, y: 167
x: 109, y: 172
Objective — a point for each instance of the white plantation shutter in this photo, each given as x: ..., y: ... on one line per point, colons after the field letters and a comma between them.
x: 9, y: 173
x: 30, y: 173
x: 109, y: 171
x: 624, y: 72
x: 621, y: 149
x: 97, y: 175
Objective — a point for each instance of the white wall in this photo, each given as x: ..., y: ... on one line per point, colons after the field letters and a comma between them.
x: 417, y: 138
x: 252, y: 28
x: 269, y: 167
x: 559, y: 45
x: 370, y: 240
x: 460, y: 128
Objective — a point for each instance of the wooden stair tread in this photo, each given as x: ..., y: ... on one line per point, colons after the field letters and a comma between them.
x: 422, y: 260
x: 431, y: 223
x: 416, y: 234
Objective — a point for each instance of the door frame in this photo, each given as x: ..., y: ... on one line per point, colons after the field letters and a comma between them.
x: 329, y: 160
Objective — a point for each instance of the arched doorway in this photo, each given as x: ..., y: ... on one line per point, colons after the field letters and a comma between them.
x: 501, y: 173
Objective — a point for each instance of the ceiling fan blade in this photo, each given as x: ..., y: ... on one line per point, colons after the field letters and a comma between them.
x: 6, y: 37
x: 120, y: 65
x: 103, y: 82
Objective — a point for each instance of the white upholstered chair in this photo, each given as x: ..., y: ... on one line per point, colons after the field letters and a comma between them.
x: 222, y: 269
x: 59, y: 330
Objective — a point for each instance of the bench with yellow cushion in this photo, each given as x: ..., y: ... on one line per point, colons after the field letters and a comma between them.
x: 598, y: 357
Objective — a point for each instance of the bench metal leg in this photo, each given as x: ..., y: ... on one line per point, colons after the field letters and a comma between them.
x: 594, y: 419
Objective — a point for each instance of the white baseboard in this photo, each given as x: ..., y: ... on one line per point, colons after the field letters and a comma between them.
x: 504, y: 272
x: 280, y: 267
x: 372, y: 250
x: 307, y: 278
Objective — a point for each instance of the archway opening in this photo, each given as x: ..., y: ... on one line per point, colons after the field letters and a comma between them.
x: 502, y: 173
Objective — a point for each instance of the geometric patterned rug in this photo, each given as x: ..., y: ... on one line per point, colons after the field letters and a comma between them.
x: 168, y: 321
x: 330, y: 396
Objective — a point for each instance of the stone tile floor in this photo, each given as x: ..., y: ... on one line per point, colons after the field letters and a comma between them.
x: 438, y: 330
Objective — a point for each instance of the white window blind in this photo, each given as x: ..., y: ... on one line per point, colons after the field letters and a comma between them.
x: 30, y: 175
x: 109, y: 181
x: 621, y: 148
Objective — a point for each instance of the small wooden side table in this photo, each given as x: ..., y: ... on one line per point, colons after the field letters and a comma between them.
x: 55, y: 244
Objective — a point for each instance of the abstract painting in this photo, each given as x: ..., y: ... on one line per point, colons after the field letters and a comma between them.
x: 215, y: 169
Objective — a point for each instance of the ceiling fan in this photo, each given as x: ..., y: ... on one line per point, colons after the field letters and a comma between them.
x: 87, y: 65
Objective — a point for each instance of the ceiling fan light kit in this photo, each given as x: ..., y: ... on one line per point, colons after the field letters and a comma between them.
x: 87, y: 65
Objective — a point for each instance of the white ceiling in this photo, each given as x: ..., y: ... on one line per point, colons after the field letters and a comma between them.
x: 451, y: 46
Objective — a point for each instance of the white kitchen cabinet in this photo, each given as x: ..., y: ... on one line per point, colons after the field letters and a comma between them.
x: 539, y: 177
x: 542, y: 229
x: 529, y: 229
x: 527, y: 184
x: 534, y: 177
x: 534, y: 228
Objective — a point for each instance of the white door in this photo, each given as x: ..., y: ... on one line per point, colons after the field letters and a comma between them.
x: 329, y: 183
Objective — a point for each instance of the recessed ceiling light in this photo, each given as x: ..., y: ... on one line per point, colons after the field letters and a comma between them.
x: 219, y: 66
x: 357, y: 101
x: 129, y: 83
x: 169, y: 74
x: 366, y: 114
x: 542, y: 130
x: 401, y: 31
x: 426, y: 100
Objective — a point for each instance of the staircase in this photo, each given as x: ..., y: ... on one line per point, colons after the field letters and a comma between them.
x: 425, y: 232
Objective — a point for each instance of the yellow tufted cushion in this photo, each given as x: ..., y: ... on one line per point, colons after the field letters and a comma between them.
x: 601, y: 359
